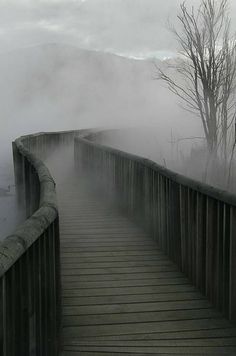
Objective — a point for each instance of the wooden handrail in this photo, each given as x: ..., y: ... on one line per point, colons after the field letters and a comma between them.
x: 30, y: 288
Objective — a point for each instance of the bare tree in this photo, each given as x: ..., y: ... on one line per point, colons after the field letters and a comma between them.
x: 207, y: 72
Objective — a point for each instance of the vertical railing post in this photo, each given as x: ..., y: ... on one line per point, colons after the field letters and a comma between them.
x: 27, y: 188
x: 57, y: 280
x: 2, y: 318
x: 232, y: 265
x: 18, y: 173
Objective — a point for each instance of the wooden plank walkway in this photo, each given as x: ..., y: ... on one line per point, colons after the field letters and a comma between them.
x: 121, y: 295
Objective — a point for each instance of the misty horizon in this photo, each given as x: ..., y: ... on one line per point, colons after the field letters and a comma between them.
x: 133, y: 28
x: 75, y: 64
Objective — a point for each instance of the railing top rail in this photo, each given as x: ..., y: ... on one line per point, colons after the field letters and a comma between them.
x: 79, y: 132
x: 27, y: 233
x: 215, y: 193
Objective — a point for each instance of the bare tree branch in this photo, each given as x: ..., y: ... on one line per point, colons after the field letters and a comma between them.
x: 206, y: 72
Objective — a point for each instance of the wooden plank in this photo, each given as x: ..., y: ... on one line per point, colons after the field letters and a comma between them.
x: 104, y: 245
x: 80, y: 259
x: 80, y: 271
x: 109, y: 249
x: 69, y: 352
x: 194, y: 335
x: 141, y: 252
x: 120, y: 265
x: 127, y: 283
x: 231, y: 350
x: 101, y: 238
x: 128, y: 290
x: 100, y: 224
x: 122, y: 277
x: 142, y: 317
x: 71, y: 332
x: 136, y: 307
x: 131, y: 298
x: 209, y: 342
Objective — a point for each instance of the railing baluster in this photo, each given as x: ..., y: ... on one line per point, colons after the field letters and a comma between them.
x: 38, y: 298
x: 232, y: 267
x: 52, y: 261
x: 1, y: 317
x: 57, y: 281
x: 4, y: 315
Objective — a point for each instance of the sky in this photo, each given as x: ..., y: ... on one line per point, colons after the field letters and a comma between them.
x: 136, y: 28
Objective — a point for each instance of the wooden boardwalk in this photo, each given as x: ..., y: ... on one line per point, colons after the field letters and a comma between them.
x: 121, y: 295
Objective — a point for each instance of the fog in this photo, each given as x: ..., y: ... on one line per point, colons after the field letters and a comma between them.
x: 75, y: 64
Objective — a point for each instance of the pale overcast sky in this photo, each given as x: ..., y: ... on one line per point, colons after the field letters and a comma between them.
x: 133, y: 27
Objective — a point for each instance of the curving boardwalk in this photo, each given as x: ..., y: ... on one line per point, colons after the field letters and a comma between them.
x: 121, y: 295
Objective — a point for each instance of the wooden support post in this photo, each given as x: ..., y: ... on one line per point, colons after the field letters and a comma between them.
x: 232, y: 266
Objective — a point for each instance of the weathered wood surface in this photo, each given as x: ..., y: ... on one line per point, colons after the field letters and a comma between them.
x: 121, y: 295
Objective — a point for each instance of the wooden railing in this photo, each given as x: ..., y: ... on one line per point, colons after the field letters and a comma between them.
x: 194, y: 224
x: 30, y: 305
